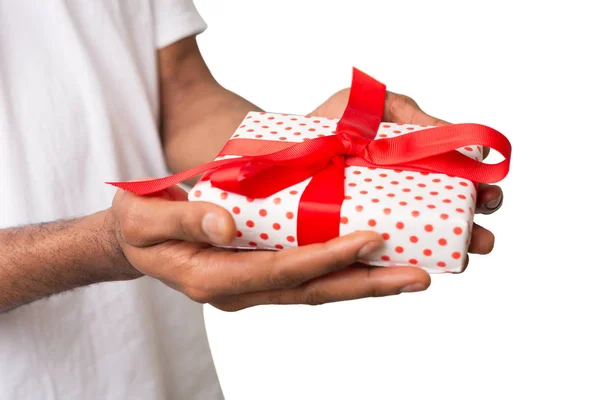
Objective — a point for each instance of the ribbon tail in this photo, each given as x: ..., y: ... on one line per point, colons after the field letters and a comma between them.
x: 260, y: 183
x: 151, y: 186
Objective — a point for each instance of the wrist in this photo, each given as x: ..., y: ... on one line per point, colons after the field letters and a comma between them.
x: 112, y: 263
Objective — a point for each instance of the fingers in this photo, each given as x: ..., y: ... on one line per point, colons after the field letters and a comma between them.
x: 404, y: 110
x: 233, y: 273
x: 489, y: 199
x: 145, y: 221
x: 486, y: 152
x: 482, y: 240
x: 348, y: 284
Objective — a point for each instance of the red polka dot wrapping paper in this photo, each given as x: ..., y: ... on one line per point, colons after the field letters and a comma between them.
x: 425, y: 219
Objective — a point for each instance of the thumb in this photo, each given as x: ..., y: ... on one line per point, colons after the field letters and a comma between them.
x: 148, y: 220
x: 197, y: 221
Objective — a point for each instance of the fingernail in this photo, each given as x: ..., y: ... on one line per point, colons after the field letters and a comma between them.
x: 413, y: 287
x: 214, y: 227
x: 368, y: 249
x: 493, y: 204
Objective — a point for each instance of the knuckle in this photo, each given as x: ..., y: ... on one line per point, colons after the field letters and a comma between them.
x: 409, y: 101
x: 402, y: 102
x: 234, y: 277
x: 132, y: 221
x: 372, y: 289
x: 197, y: 294
x: 401, y: 107
x: 339, y: 260
x: 312, y: 296
x: 376, y: 291
x: 227, y: 306
x: 275, y: 298
x: 184, y: 222
x: 333, y: 259
x: 242, y: 282
x: 281, y: 276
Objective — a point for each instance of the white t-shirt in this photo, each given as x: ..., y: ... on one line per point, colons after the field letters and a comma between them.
x: 79, y: 106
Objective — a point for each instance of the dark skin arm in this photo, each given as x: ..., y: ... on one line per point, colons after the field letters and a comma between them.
x: 170, y: 239
x: 40, y: 260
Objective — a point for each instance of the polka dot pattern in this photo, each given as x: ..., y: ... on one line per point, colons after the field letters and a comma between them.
x: 425, y: 219
x: 420, y: 227
x: 261, y: 223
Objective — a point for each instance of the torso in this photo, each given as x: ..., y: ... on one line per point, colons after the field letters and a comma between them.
x: 78, y: 107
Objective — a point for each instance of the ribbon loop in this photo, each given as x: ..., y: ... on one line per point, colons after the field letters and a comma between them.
x: 266, y: 167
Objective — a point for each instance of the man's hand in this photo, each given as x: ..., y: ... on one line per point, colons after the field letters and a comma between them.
x: 170, y: 239
x: 404, y: 110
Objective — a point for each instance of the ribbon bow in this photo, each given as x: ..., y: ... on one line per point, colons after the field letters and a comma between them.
x: 266, y: 167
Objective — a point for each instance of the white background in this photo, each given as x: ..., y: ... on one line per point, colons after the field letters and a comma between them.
x: 521, y: 323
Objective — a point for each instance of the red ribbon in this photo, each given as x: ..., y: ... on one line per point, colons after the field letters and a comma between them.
x: 266, y: 167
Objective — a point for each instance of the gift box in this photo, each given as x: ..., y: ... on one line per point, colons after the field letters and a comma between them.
x: 424, y: 218
x: 291, y: 180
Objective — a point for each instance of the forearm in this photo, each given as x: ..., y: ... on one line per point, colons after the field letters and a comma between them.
x: 203, y: 126
x: 40, y: 260
x: 197, y: 115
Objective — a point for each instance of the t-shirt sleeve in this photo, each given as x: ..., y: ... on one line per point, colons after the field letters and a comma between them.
x: 175, y: 20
